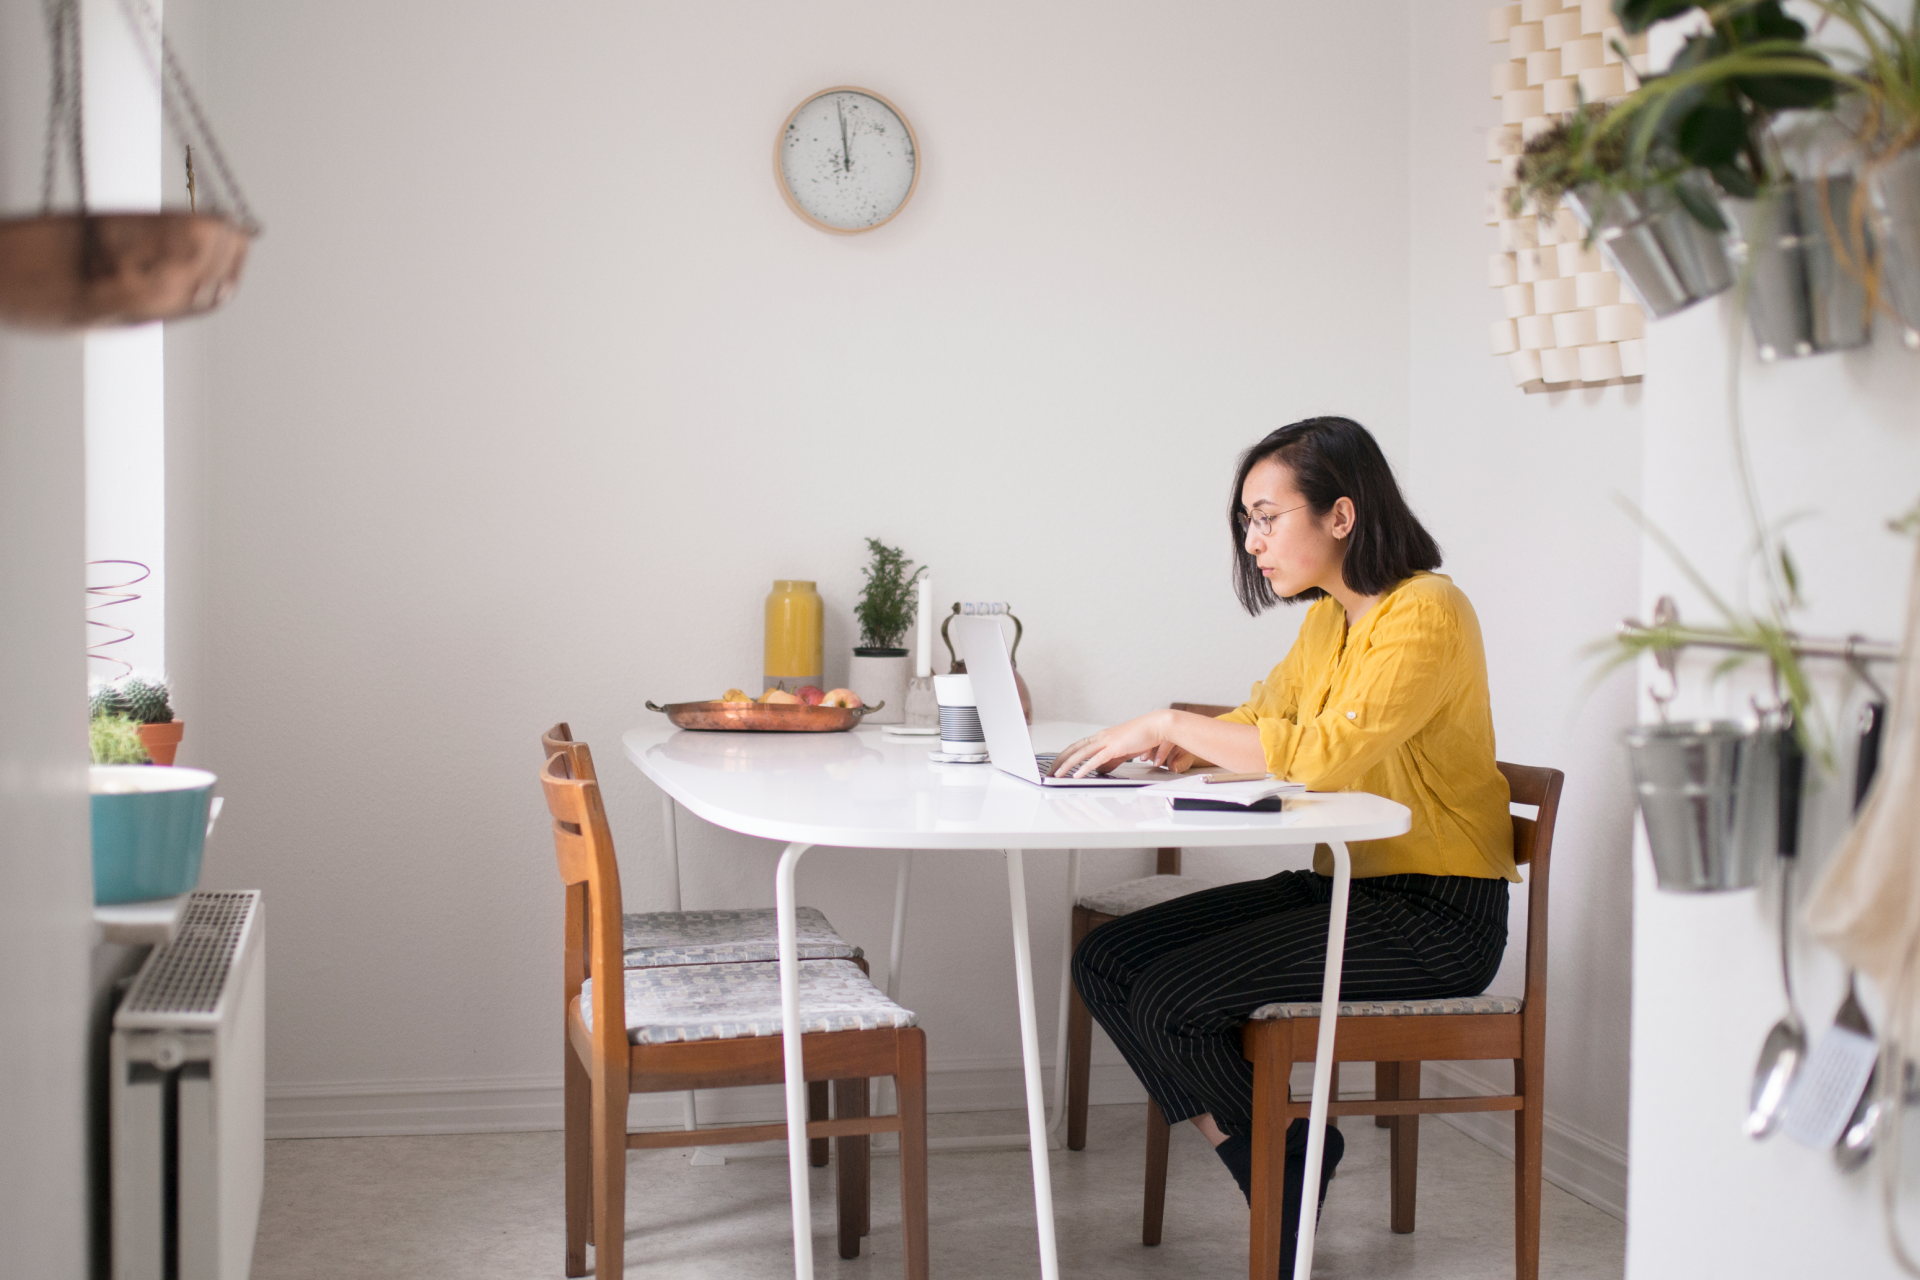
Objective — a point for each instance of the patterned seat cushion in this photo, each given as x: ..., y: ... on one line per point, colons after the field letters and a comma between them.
x: 1130, y: 896
x: 1394, y: 1008
x: 669, y: 1004
x: 725, y: 937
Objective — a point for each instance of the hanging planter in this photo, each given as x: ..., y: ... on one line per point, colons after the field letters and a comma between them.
x: 1803, y: 300
x: 1656, y: 246
x: 84, y: 269
x: 1707, y: 793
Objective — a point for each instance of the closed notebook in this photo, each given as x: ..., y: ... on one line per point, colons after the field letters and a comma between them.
x: 1195, y: 792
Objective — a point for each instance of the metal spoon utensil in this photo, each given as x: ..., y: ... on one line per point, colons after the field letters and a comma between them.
x: 1786, y: 1045
x: 1856, y: 1143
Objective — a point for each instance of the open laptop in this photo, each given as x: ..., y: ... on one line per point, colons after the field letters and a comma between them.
x: 984, y: 647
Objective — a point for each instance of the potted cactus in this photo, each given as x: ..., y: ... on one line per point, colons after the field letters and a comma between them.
x: 145, y: 703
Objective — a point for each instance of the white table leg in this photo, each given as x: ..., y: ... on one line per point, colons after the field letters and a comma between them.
x: 1030, y: 1062
x: 1058, y: 1124
x: 1323, y: 1060
x: 896, y: 954
x: 688, y: 1113
x: 794, y: 1068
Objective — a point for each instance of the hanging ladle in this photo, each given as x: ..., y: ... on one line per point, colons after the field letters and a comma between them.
x: 1856, y: 1142
x: 1786, y: 1045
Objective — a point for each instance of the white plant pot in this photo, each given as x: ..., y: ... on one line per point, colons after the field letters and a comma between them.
x: 879, y: 679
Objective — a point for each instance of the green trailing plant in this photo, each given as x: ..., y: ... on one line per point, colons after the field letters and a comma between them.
x: 140, y: 700
x: 1578, y: 153
x: 885, y: 607
x: 115, y: 739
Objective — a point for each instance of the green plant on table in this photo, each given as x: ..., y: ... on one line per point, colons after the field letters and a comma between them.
x: 885, y: 607
x: 115, y: 739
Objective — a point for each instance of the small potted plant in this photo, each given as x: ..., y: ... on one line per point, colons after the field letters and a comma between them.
x: 145, y: 703
x: 885, y: 609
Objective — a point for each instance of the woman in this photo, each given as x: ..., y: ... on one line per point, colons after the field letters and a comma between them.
x: 1385, y: 690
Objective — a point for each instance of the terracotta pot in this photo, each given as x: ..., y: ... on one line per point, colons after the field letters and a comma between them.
x: 161, y: 740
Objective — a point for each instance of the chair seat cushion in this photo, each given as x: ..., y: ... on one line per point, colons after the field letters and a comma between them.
x: 1130, y: 896
x: 1394, y: 1008
x: 669, y: 1004
x: 725, y: 937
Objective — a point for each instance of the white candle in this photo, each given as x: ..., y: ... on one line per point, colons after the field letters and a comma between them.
x: 923, y: 650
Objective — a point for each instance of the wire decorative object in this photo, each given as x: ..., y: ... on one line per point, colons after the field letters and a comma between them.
x: 104, y: 596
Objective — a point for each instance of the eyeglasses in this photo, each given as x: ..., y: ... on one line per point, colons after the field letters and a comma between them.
x: 1260, y: 523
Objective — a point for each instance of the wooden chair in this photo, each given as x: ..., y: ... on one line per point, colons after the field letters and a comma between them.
x: 706, y: 1026
x: 1397, y: 1036
x: 1091, y: 911
x: 715, y: 937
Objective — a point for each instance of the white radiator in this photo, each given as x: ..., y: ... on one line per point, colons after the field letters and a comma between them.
x: 187, y: 1098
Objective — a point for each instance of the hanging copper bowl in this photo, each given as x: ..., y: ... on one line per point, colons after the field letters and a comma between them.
x: 81, y: 271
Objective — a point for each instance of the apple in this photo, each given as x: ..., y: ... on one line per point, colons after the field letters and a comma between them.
x: 777, y: 696
x: 810, y: 694
x: 841, y: 698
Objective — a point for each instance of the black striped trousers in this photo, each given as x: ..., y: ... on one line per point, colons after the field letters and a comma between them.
x: 1173, y: 984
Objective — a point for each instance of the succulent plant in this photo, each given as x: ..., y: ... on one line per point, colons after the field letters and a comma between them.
x: 147, y: 700
x: 115, y: 739
x: 142, y: 701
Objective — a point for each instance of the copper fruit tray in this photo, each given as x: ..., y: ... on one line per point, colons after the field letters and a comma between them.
x: 763, y: 717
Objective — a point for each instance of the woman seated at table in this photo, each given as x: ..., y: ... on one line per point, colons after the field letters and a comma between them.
x: 1384, y: 691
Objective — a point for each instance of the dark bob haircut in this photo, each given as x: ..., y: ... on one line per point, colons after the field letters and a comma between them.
x: 1334, y: 458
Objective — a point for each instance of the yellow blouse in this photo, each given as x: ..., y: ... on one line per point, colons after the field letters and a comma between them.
x: 1399, y: 708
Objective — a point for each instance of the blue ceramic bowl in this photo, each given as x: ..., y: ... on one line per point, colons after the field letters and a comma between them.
x: 149, y: 830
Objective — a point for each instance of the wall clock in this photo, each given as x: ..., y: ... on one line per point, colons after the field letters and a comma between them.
x: 847, y: 160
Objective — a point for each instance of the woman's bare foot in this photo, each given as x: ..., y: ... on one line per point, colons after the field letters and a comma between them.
x: 1204, y: 1123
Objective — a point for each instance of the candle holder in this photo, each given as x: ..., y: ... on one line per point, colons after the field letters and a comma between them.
x: 922, y: 710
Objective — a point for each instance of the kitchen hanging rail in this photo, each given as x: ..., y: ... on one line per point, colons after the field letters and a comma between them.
x: 1666, y: 625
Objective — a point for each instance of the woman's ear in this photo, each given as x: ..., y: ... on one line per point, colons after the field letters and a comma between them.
x: 1341, y: 518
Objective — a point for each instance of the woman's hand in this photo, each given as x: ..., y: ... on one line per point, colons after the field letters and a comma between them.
x: 1174, y: 740
x: 1102, y: 752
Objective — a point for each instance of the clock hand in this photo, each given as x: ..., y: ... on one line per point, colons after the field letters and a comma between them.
x: 846, y: 153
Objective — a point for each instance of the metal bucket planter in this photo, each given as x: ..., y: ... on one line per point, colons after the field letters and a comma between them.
x: 1661, y: 251
x: 1897, y: 195
x: 1802, y: 300
x: 1706, y: 791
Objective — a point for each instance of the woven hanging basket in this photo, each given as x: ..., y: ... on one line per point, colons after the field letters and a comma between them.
x: 72, y: 270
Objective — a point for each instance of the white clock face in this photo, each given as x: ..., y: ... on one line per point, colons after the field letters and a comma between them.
x: 847, y: 160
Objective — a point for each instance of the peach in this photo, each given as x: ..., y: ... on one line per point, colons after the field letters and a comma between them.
x: 777, y: 696
x: 810, y: 694
x: 841, y: 698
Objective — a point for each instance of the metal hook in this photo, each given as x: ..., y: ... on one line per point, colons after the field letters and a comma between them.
x: 1858, y: 665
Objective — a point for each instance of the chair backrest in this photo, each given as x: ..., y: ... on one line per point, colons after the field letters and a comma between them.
x: 583, y: 845
x: 1533, y: 848
x: 560, y: 738
x: 1168, y: 862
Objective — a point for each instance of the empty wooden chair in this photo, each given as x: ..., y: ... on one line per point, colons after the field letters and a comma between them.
x: 653, y: 938
x: 1397, y: 1036
x: 671, y: 1028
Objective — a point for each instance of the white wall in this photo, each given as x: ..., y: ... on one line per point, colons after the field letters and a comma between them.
x: 1519, y: 489
x: 535, y: 385
x: 46, y: 883
x: 1834, y: 440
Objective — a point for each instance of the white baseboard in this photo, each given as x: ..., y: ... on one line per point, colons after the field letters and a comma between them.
x: 370, y: 1108
x: 1578, y: 1162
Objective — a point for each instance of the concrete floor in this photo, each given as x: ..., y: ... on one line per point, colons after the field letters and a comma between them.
x: 488, y: 1207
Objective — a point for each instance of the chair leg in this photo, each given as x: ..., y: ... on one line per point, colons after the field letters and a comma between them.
x: 817, y: 1110
x: 610, y: 1174
x: 1385, y: 1079
x: 1272, y: 1070
x: 579, y: 1160
x: 1529, y: 1126
x: 1154, y: 1211
x: 910, y: 1086
x: 851, y: 1182
x: 1079, y: 1045
x: 1403, y: 1160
